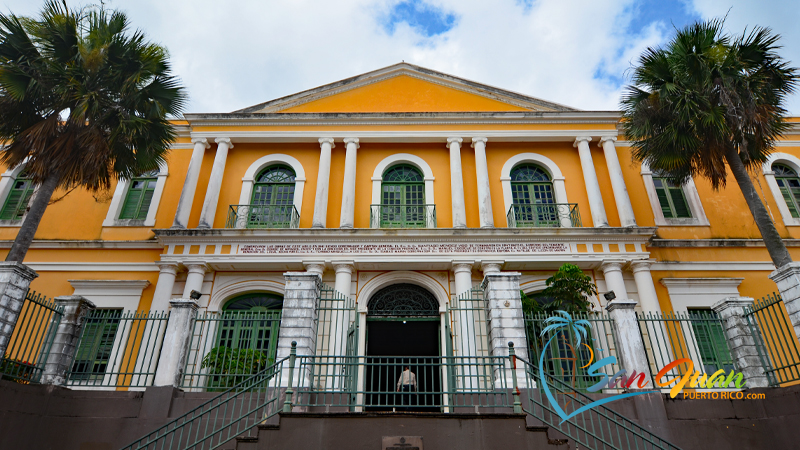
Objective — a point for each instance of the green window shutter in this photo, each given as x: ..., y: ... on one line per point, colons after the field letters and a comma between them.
x: 17, y: 200
x: 138, y: 198
x: 790, y: 189
x: 663, y: 197
x: 96, y: 346
x: 681, y: 207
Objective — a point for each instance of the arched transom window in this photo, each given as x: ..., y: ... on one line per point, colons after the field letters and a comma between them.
x: 789, y: 184
x: 272, y: 202
x: 403, y: 300
x: 403, y: 198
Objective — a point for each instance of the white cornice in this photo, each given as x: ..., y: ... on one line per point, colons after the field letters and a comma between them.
x: 403, y: 136
x: 71, y: 266
x: 739, y: 266
x: 89, y: 244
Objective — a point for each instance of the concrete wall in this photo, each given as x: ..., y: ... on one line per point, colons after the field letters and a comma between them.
x: 52, y: 418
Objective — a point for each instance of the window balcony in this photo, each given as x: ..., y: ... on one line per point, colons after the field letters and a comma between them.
x: 263, y: 216
x: 402, y: 216
x: 541, y: 215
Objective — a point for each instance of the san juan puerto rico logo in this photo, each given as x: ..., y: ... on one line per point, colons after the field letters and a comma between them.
x: 563, y: 324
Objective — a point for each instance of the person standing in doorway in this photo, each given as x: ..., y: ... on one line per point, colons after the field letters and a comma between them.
x: 407, y: 382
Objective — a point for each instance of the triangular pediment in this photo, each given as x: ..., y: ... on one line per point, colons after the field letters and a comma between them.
x: 404, y: 88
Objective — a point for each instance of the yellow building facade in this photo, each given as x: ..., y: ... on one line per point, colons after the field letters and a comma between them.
x: 405, y: 176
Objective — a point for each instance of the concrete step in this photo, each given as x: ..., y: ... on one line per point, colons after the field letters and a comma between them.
x: 365, y: 431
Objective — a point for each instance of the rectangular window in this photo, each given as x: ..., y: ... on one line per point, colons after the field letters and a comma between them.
x: 17, y: 201
x: 96, y: 345
x: 790, y: 189
x: 711, y: 342
x: 671, y: 198
x: 138, y: 198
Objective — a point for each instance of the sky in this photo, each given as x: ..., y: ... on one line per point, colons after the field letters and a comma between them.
x: 237, y: 53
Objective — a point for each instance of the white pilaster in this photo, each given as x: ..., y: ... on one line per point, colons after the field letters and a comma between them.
x: 349, y: 187
x: 323, y: 179
x: 482, y: 174
x: 506, y: 321
x: 596, y: 206
x: 624, y: 208
x: 194, y: 278
x: 215, y: 183
x: 648, y: 298
x: 190, y: 184
x: 457, y: 183
x: 164, y: 285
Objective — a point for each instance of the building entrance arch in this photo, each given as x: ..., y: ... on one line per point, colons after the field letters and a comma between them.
x: 403, y: 331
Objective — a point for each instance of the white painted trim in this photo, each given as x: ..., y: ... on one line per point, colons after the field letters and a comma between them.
x: 402, y: 158
x: 559, y: 187
x: 769, y: 175
x: 692, y: 198
x: 93, y: 267
x: 115, y: 208
x: 220, y: 296
x: 248, y: 181
x: 739, y: 266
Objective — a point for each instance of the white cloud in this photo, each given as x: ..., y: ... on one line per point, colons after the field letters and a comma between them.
x: 232, y: 55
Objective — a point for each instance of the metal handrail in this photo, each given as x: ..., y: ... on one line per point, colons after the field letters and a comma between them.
x: 262, y: 216
x: 402, y: 215
x: 535, y: 215
x: 224, y: 417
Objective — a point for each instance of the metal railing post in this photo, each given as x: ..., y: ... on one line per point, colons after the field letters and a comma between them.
x: 287, y: 403
x: 512, y: 356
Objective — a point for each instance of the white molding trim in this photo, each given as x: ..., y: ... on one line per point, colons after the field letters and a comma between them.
x: 739, y: 266
x: 769, y: 175
x: 248, y: 181
x: 115, y: 208
x: 92, y: 267
x: 401, y: 276
x: 220, y: 296
x: 400, y: 158
x: 687, y: 293
x: 698, y: 218
x: 559, y: 187
x: 125, y: 294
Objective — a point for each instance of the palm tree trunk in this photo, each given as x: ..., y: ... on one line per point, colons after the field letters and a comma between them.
x: 32, y: 219
x: 775, y: 246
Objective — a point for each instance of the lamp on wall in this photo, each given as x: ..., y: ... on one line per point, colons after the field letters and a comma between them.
x: 610, y: 295
x: 195, y: 295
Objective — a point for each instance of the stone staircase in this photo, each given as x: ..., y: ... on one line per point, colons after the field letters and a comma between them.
x: 357, y: 431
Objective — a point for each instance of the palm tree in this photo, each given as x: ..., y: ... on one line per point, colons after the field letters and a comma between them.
x: 82, y: 102
x: 708, y: 99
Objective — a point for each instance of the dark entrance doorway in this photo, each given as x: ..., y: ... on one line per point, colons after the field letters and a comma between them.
x: 403, y: 331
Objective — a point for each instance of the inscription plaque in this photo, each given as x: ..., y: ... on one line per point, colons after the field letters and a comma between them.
x: 402, y: 443
x: 387, y: 249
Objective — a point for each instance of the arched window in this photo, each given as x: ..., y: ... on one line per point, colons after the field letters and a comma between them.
x: 18, y: 198
x: 789, y: 184
x: 272, y: 202
x: 139, y: 195
x: 533, y: 204
x: 403, y: 300
x: 248, y: 334
x: 671, y: 197
x: 403, y: 198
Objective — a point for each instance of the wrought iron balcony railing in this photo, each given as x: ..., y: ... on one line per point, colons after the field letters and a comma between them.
x: 402, y: 216
x: 263, y: 216
x: 543, y: 215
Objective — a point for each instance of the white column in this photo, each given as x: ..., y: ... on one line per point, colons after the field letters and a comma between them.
x: 214, y: 183
x: 488, y: 267
x: 323, y: 179
x: 648, y: 298
x: 457, y: 183
x: 190, y: 184
x: 164, y: 285
x: 349, y: 186
x: 598, y: 210
x: 341, y: 323
x: 612, y: 272
x: 194, y: 278
x: 484, y: 193
x: 464, y: 322
x: 624, y: 208
x: 298, y: 322
x: 315, y: 267
x: 463, y: 276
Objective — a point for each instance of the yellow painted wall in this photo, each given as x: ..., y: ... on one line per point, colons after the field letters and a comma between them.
x: 53, y: 284
x: 403, y: 94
